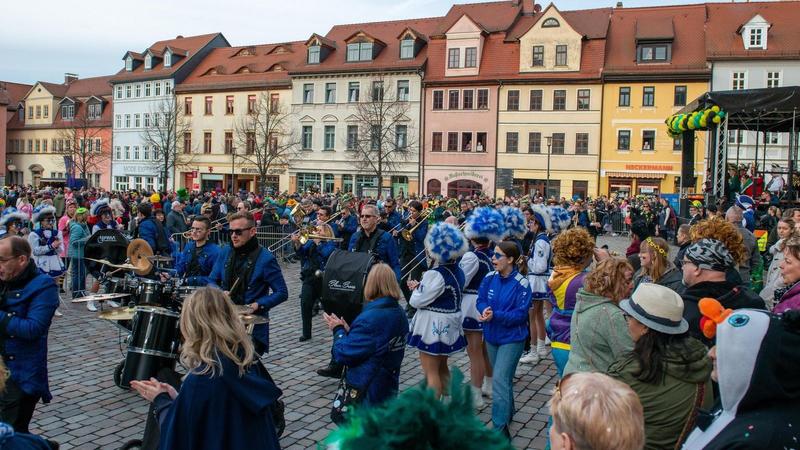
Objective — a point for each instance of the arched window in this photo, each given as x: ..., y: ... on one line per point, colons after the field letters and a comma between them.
x: 434, y: 187
x: 551, y: 23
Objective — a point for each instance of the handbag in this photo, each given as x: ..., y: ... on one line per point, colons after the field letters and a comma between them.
x: 347, y: 396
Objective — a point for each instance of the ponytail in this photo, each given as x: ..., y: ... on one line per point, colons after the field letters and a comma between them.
x: 513, y: 250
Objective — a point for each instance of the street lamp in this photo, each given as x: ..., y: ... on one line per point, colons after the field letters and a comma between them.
x: 233, y: 164
x: 549, y: 140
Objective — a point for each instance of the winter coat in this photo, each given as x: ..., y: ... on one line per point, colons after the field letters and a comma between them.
x: 670, y: 403
x: 736, y: 297
x: 599, y: 334
x: 773, y: 279
x: 672, y: 278
x: 510, y: 298
x: 221, y: 411
x: 373, y: 349
x: 11, y: 440
x: 78, y: 234
x: 790, y: 300
x: 206, y: 258
x: 31, y: 300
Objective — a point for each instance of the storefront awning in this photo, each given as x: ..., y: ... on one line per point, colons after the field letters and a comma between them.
x: 654, y: 176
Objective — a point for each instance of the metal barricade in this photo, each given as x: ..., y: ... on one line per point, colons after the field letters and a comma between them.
x: 268, y: 236
x: 618, y: 224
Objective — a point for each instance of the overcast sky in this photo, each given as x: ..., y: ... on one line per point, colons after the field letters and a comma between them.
x: 89, y: 37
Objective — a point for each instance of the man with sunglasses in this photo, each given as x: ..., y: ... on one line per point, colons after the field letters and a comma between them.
x: 250, y: 274
x: 195, y: 262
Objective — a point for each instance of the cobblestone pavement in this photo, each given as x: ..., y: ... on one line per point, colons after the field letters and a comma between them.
x: 89, y: 412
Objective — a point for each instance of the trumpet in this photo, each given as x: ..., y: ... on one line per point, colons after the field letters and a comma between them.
x: 409, y: 234
x: 305, y: 237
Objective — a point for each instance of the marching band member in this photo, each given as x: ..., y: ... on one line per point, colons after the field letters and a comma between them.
x: 483, y: 226
x: 413, y: 251
x: 46, y: 242
x: 436, y: 326
x: 195, y: 263
x: 393, y: 218
x: 347, y: 225
x: 313, y: 256
x: 323, y: 215
x: 102, y: 210
x: 504, y: 299
x: 539, y: 265
x: 516, y: 226
x: 250, y: 274
x: 12, y: 222
x: 466, y: 211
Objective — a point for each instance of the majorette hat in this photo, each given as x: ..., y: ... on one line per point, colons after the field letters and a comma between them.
x: 445, y: 242
x: 560, y: 219
x: 515, y: 222
x: 42, y: 211
x: 99, y: 206
x: 542, y: 215
x: 11, y: 214
x: 485, y: 222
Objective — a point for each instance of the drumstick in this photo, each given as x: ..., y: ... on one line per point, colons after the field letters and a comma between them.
x: 234, y: 285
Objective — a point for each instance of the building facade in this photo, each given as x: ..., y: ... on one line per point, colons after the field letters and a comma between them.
x: 751, y: 46
x: 59, y: 126
x: 353, y: 78
x: 550, y: 112
x: 219, y: 97
x: 652, y: 69
x: 146, y: 112
x: 11, y: 95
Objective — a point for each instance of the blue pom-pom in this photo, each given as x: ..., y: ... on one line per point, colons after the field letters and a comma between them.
x: 10, y: 214
x: 485, y: 222
x: 515, y: 222
x: 445, y: 242
x: 560, y: 219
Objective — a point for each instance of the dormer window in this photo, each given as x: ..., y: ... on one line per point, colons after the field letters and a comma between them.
x: 755, y: 33
x: 313, y: 54
x: 360, y: 51
x: 167, y: 58
x: 21, y: 113
x: 654, y: 52
x: 67, y: 112
x: 129, y: 64
x: 95, y: 111
x: 551, y: 23
x: 756, y: 38
x: 148, y: 62
x: 407, y: 48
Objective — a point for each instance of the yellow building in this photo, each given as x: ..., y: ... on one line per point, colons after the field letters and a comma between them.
x: 550, y: 109
x: 216, y: 99
x: 654, y: 66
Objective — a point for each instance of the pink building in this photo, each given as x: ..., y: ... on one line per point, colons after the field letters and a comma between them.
x: 466, y: 58
x: 10, y: 96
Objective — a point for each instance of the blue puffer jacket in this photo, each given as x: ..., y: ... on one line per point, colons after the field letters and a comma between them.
x: 266, y: 285
x: 11, y: 440
x: 24, y: 323
x: 148, y: 230
x: 510, y: 299
x: 373, y: 350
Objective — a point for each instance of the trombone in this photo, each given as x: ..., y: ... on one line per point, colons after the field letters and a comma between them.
x: 409, y: 234
x: 306, y: 235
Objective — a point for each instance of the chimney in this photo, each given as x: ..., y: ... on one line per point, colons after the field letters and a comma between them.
x: 70, y: 77
x: 528, y: 7
x: 619, y: 4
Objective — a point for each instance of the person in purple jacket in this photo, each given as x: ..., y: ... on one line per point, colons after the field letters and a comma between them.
x: 504, y: 298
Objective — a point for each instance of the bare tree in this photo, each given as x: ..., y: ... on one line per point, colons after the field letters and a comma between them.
x: 266, y: 137
x: 164, y: 132
x: 82, y: 141
x: 384, y: 140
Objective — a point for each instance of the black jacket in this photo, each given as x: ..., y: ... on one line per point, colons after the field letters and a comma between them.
x: 731, y: 296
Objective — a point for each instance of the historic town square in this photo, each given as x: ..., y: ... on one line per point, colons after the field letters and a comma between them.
x: 400, y: 225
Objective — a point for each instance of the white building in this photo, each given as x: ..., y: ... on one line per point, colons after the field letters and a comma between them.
x: 141, y: 89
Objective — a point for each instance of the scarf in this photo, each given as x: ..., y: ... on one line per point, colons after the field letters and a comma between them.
x: 561, y: 274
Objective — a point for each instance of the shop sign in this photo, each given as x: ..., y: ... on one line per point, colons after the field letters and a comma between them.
x: 466, y: 174
x: 139, y: 169
x: 194, y: 174
x: 251, y: 170
x: 654, y: 167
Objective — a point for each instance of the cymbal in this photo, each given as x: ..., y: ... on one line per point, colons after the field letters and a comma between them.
x: 108, y: 263
x: 160, y: 258
x: 99, y: 298
x: 251, y: 319
x: 117, y: 314
x: 139, y: 252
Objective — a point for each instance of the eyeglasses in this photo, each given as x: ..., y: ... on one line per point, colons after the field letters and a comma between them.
x: 239, y: 231
x: 8, y: 258
x: 498, y: 255
x: 367, y: 216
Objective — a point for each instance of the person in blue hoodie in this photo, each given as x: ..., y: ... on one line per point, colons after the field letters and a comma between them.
x: 225, y: 399
x: 372, y: 348
x: 503, y: 302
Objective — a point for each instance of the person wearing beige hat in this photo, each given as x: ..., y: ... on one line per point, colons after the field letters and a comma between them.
x: 667, y: 368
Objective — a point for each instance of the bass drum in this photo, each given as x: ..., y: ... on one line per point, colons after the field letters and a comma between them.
x: 153, y: 344
x: 343, y: 283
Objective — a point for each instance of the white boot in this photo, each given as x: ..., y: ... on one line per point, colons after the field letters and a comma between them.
x: 58, y: 313
x: 477, y: 398
x: 530, y: 358
x: 91, y: 306
x: 487, y: 387
x: 112, y: 304
x: 541, y: 349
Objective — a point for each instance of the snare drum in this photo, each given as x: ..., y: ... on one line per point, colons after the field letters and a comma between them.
x: 150, y: 292
x: 153, y: 344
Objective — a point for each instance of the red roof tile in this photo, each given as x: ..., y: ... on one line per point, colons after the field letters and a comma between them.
x: 184, y: 45
x: 389, y: 56
x: 499, y: 60
x: 258, y: 60
x: 58, y: 90
x: 13, y: 93
x: 725, y: 19
x: 492, y: 17
x: 688, y: 55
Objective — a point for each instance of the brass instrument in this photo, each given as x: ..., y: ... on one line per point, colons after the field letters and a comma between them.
x: 409, y: 234
x: 297, y: 214
x: 415, y: 265
x: 305, y: 237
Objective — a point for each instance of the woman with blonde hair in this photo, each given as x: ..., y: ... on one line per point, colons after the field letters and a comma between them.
x: 372, y: 348
x: 225, y: 399
x: 599, y: 333
x: 655, y: 266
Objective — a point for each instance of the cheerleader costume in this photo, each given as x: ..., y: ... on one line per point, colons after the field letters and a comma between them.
x: 539, y: 265
x: 113, y: 225
x: 476, y: 265
x: 44, y: 255
x: 436, y: 326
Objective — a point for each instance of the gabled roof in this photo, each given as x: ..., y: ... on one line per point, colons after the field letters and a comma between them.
x: 13, y: 93
x: 590, y: 23
x: 134, y: 55
x: 387, y: 58
x: 414, y: 32
x: 684, y: 22
x: 184, y: 46
x: 491, y: 17
x: 228, y: 63
x: 366, y: 35
x: 725, y: 19
x: 79, y: 92
x: 57, y: 90
x: 322, y: 40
